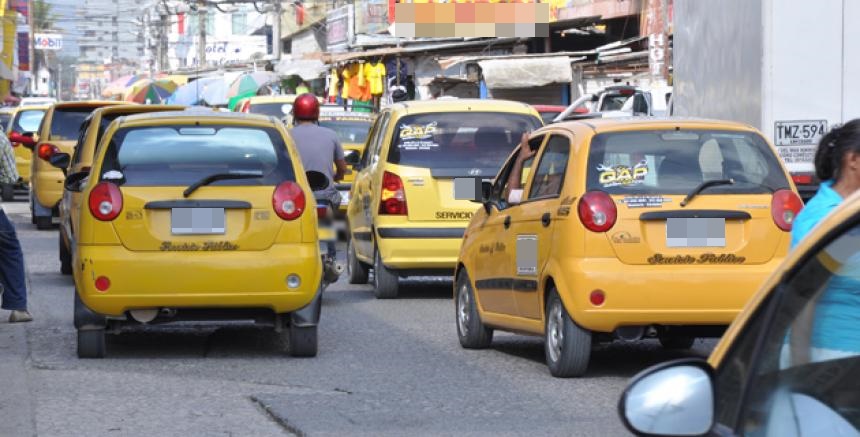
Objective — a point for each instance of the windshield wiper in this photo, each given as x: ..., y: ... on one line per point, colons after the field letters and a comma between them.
x: 220, y: 177
x: 703, y: 186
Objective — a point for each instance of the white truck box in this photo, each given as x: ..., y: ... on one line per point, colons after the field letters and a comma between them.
x: 791, y: 68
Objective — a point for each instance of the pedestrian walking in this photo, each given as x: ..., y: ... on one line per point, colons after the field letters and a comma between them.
x: 13, y: 287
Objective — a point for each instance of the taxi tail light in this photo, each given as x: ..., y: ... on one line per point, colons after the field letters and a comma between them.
x: 288, y: 200
x: 802, y: 179
x: 784, y: 208
x: 105, y: 201
x: 393, y: 197
x: 46, y: 151
x: 597, y: 211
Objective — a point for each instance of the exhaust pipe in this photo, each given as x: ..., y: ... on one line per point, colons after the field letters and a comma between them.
x: 630, y: 333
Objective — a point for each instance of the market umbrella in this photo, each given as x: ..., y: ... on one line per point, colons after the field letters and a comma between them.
x: 248, y: 84
x: 119, y: 86
x: 192, y: 93
x: 149, y: 91
x: 215, y: 93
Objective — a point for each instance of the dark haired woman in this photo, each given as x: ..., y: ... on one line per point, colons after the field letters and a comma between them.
x: 837, y: 164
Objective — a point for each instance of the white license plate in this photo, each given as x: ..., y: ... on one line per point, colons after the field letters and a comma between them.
x: 695, y: 232
x: 344, y: 198
x: 799, y: 133
x: 197, y: 221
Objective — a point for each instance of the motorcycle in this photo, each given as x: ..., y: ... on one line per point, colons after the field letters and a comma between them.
x: 327, y: 200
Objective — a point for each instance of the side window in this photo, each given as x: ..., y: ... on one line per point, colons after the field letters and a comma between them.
x: 371, y: 140
x: 501, y: 186
x: 549, y: 175
x: 380, y: 139
x: 82, y: 137
x: 808, y: 366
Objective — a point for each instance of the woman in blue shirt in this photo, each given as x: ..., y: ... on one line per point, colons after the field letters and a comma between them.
x: 835, y: 316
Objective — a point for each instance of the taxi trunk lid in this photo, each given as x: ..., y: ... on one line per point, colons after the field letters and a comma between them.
x: 430, y: 196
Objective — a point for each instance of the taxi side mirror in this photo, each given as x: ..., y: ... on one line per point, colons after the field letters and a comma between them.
x: 60, y: 161
x: 26, y: 139
x: 75, y: 181
x: 352, y: 157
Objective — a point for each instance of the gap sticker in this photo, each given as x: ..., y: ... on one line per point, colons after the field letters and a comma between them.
x: 622, y: 175
x: 417, y: 131
x: 527, y: 255
x: 645, y: 201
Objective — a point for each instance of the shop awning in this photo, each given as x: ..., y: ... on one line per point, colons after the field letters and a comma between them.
x: 307, y: 69
x: 525, y: 72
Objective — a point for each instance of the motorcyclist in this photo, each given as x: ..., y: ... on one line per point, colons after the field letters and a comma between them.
x: 318, y: 146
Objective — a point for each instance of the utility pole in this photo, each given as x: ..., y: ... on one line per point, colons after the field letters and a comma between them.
x: 163, y: 62
x: 31, y: 48
x: 201, y: 32
x: 276, y: 31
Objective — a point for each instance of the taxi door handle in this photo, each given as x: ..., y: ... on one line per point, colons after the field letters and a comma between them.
x: 507, y: 221
x: 545, y: 219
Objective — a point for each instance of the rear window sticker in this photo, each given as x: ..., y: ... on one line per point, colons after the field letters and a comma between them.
x: 417, y: 131
x: 527, y: 254
x: 622, y: 175
x: 418, y: 145
x: 645, y: 201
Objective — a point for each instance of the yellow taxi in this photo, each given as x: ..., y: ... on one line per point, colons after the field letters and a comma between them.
x: 57, y: 133
x: 623, y: 229
x: 351, y: 129
x: 789, y: 365
x: 403, y: 218
x: 92, y: 130
x: 22, y: 125
x: 196, y: 215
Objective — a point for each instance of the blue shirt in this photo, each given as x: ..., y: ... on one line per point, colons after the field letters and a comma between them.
x: 824, y: 201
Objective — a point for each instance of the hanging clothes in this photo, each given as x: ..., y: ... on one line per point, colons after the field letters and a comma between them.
x: 333, y: 81
x: 358, y: 89
x: 345, y: 76
x: 391, y: 68
x: 375, y: 74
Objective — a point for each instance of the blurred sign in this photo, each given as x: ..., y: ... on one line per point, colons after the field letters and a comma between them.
x: 48, y: 41
x: 656, y: 25
x: 23, y: 51
x: 339, y: 23
x: 372, y: 17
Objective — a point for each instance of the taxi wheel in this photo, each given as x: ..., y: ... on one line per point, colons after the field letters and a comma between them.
x: 303, y: 341
x: 470, y: 330
x: 677, y: 342
x: 65, y: 257
x: 384, y: 280
x: 8, y: 194
x: 43, y: 223
x: 356, y: 270
x: 567, y: 346
x: 91, y: 343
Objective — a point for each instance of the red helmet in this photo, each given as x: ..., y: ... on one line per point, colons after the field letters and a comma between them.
x: 306, y: 107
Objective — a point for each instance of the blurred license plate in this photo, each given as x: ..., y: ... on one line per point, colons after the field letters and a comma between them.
x: 197, y: 221
x: 344, y: 198
x: 696, y: 232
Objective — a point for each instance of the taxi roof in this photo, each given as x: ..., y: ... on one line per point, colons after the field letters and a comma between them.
x: 446, y: 105
x: 617, y: 124
x: 135, y: 109
x: 195, y: 114
x: 88, y: 104
x: 38, y: 107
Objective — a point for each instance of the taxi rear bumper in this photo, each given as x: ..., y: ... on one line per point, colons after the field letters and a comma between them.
x: 638, y: 295
x: 419, y: 249
x: 236, y: 279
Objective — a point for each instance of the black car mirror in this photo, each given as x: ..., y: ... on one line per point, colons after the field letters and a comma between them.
x: 60, y: 161
x: 352, y: 157
x: 318, y: 181
x: 75, y: 181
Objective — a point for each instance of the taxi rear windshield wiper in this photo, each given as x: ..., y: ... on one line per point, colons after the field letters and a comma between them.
x: 220, y: 177
x: 703, y: 186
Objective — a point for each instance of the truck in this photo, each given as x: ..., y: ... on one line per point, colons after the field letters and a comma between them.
x: 789, y: 68
x: 618, y: 100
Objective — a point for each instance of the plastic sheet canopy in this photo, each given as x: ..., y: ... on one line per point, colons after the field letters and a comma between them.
x: 525, y: 72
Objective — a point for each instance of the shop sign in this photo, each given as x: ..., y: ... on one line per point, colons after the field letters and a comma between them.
x: 48, y: 41
x: 372, y: 17
x: 23, y: 51
x: 339, y: 28
x: 656, y: 25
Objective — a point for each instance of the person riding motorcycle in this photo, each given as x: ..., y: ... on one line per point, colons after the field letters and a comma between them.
x: 318, y: 146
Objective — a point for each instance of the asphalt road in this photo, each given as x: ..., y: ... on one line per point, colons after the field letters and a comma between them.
x: 384, y: 368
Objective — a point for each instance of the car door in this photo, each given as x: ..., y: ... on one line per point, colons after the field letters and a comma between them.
x: 492, y: 275
x: 533, y: 223
x: 361, y: 215
x: 794, y: 370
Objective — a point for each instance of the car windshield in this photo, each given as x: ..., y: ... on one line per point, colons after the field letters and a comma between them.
x: 28, y: 121
x: 458, y: 142
x: 348, y: 131
x: 676, y: 162
x: 277, y: 110
x: 180, y: 155
x: 66, y: 122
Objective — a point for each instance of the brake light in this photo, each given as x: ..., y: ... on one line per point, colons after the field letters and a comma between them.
x: 322, y: 211
x: 392, y: 200
x: 802, y: 179
x: 105, y: 201
x: 597, y: 211
x: 627, y: 91
x: 784, y: 207
x: 288, y: 200
x: 46, y: 151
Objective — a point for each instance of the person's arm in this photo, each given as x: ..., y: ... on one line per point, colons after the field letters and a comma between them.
x: 516, y: 175
x: 339, y: 162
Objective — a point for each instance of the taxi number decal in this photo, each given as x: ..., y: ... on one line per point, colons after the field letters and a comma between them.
x: 622, y: 175
x: 527, y: 251
x: 644, y: 201
x: 705, y: 258
x: 209, y: 246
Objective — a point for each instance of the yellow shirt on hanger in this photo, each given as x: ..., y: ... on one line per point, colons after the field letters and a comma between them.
x: 375, y: 73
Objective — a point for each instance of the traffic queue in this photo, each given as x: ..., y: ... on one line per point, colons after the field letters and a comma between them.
x: 582, y: 232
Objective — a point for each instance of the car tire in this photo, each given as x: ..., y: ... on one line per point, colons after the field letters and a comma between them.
x: 91, y: 343
x: 470, y: 329
x: 302, y: 341
x: 8, y: 193
x: 385, y: 281
x: 43, y: 223
x: 567, y: 346
x: 65, y: 257
x: 677, y: 342
x: 355, y: 269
